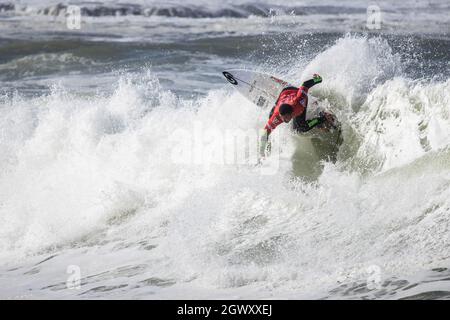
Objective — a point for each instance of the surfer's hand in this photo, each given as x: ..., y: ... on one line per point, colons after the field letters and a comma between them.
x: 317, y: 78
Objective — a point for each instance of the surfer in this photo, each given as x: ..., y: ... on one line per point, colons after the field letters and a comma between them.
x: 291, y: 104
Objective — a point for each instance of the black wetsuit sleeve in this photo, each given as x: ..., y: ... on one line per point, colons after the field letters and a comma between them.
x: 309, y: 83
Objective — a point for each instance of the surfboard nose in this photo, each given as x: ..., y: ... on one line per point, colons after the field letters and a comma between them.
x: 229, y: 77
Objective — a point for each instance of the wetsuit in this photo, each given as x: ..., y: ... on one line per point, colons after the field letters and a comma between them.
x: 298, y: 99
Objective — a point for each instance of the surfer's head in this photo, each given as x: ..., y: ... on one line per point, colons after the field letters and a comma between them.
x: 286, y: 112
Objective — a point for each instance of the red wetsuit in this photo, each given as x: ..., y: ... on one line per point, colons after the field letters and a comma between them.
x: 298, y: 99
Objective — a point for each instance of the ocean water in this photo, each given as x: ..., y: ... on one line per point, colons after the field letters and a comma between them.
x: 95, y: 202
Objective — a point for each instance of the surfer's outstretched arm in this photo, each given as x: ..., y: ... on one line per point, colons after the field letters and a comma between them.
x: 304, y: 88
x: 311, y: 82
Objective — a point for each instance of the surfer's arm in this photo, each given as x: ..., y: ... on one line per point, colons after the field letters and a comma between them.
x: 267, y: 129
x: 303, y: 90
x: 271, y: 124
x: 312, y: 82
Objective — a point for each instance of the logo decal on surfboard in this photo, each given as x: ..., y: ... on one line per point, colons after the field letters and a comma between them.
x: 230, y: 78
x: 261, y: 101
